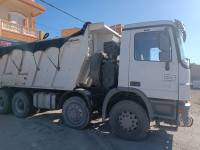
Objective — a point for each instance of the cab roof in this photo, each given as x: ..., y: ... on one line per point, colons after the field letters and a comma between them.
x: 151, y: 23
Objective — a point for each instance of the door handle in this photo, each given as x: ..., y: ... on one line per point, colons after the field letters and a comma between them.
x: 135, y: 83
x: 167, y: 67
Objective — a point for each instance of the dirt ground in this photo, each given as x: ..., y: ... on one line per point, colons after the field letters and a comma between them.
x: 45, y: 131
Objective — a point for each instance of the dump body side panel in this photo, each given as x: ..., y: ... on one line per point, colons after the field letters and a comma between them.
x: 18, y: 69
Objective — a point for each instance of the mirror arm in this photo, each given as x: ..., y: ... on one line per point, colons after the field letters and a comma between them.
x: 167, y: 67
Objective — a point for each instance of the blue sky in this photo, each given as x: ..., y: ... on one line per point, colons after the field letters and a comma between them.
x: 125, y: 12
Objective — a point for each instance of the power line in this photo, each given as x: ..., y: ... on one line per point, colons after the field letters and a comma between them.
x: 63, y: 11
x: 47, y: 26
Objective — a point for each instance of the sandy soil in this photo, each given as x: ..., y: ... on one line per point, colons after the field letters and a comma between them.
x: 45, y: 131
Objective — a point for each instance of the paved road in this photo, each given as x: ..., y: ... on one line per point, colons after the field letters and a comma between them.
x: 45, y: 131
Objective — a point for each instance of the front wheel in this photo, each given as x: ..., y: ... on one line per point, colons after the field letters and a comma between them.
x: 75, y: 113
x: 129, y: 120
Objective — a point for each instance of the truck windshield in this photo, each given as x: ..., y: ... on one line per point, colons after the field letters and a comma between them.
x: 182, y: 48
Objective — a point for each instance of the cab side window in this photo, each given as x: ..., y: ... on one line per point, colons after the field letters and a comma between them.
x: 146, y: 46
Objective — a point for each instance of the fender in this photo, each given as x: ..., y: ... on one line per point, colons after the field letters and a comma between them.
x: 86, y: 94
x: 77, y: 92
x: 132, y: 90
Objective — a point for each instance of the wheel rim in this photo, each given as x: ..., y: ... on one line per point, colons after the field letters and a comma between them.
x: 74, y: 112
x: 2, y: 103
x: 128, y: 121
x: 19, y: 105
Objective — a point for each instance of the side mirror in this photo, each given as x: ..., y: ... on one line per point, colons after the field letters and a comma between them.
x: 164, y: 56
x: 164, y: 42
x: 46, y: 36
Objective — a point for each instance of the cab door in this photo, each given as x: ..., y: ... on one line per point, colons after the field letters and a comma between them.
x: 156, y: 78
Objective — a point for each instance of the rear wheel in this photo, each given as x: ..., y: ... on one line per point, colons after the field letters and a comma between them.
x: 129, y: 120
x: 22, y: 105
x: 75, y: 113
x: 5, y: 101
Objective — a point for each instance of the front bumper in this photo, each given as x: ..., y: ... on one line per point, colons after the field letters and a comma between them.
x: 184, y: 114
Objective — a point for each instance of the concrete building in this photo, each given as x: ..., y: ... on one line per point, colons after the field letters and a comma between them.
x: 117, y: 28
x: 66, y: 32
x: 17, y: 21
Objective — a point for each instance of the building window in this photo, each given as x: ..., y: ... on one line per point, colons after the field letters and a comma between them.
x: 17, y: 18
x: 146, y: 46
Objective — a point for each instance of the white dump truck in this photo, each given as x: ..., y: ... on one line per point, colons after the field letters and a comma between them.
x: 133, y: 79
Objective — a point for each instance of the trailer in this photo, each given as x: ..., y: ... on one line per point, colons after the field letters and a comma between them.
x: 133, y: 79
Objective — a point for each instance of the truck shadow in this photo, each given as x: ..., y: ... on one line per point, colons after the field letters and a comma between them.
x: 98, y: 131
x: 156, y: 139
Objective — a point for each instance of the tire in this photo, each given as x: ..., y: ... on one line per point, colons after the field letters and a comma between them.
x: 191, y: 121
x: 5, y: 102
x: 128, y: 120
x: 22, y: 105
x: 95, y: 68
x: 75, y: 113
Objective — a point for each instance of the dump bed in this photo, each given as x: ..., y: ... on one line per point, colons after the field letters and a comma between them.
x: 59, y: 63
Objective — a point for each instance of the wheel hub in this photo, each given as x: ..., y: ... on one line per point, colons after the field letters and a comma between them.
x: 20, y: 105
x: 74, y: 112
x: 128, y: 121
x: 1, y: 102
